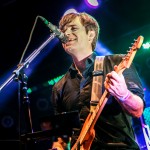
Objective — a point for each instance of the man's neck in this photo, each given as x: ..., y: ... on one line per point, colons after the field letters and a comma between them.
x: 80, y: 64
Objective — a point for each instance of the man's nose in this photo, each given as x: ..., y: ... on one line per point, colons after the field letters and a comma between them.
x: 68, y: 32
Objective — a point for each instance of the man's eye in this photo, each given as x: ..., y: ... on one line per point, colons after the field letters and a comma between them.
x: 74, y: 29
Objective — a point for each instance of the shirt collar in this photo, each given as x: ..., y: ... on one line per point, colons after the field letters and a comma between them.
x: 89, y: 62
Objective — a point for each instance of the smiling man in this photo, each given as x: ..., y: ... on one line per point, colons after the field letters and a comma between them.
x: 113, y: 129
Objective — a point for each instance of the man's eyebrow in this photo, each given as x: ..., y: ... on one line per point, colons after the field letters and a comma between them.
x: 71, y: 25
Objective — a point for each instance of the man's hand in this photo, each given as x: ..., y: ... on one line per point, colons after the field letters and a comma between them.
x: 116, y: 86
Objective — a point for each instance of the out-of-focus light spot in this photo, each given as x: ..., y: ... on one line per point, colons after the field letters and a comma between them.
x: 7, y: 121
x: 51, y: 82
x: 146, y: 115
x: 42, y: 104
x: 71, y: 10
x: 146, y: 45
x: 144, y: 89
x: 92, y: 3
x: 46, y: 84
x: 29, y: 90
x: 55, y: 80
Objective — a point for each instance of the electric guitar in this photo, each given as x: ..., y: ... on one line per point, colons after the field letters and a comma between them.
x: 85, y: 138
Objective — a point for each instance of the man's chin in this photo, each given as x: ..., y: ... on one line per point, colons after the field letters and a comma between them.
x: 69, y: 50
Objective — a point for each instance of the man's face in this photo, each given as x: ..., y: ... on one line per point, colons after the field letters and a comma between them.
x: 78, y: 39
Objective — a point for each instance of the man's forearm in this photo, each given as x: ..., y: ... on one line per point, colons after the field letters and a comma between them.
x: 133, y: 105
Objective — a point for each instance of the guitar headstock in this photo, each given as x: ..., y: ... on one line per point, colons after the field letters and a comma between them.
x: 128, y: 58
x: 131, y: 53
x: 139, y: 41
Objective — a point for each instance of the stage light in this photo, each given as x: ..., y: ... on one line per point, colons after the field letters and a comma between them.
x: 146, y: 45
x: 71, y: 10
x: 55, y: 80
x: 101, y: 49
x: 146, y: 115
x: 46, y: 84
x: 92, y: 3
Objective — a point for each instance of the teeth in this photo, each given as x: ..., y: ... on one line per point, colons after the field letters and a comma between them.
x: 71, y: 39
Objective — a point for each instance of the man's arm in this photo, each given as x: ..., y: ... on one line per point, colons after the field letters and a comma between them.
x: 132, y: 105
x: 115, y: 84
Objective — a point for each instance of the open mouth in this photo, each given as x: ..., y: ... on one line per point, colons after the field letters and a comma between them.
x: 70, y: 41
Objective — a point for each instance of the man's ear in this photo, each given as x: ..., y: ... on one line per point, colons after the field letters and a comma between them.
x: 91, y: 35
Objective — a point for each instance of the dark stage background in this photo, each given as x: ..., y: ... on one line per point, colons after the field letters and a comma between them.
x: 121, y: 21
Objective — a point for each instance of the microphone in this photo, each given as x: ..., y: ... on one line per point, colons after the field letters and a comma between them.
x: 55, y: 30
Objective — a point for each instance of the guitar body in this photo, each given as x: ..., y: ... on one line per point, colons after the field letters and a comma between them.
x: 88, y: 140
x: 89, y: 137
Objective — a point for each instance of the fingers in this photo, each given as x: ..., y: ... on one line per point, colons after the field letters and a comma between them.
x: 113, y: 76
x: 111, y: 79
x: 115, y: 84
x: 115, y: 68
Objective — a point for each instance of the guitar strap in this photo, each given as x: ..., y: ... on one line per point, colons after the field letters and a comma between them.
x: 97, y: 82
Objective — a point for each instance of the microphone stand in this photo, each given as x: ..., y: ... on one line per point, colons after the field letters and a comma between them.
x: 28, y: 60
x: 19, y: 75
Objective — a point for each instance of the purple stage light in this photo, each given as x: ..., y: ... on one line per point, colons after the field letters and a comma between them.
x: 92, y: 3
